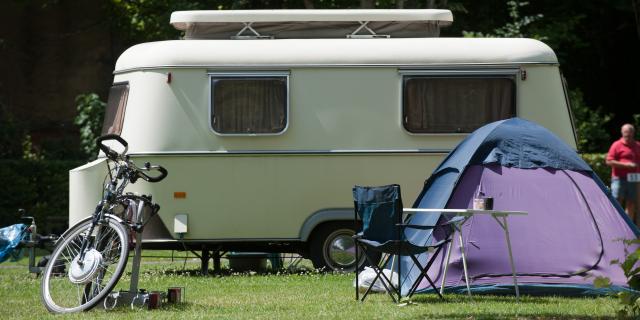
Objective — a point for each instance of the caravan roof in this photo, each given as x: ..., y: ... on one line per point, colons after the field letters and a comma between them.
x: 334, y: 52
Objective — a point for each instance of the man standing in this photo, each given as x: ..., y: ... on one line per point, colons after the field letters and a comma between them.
x: 623, y: 158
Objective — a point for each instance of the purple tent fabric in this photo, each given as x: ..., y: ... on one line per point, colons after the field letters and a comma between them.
x: 572, y: 229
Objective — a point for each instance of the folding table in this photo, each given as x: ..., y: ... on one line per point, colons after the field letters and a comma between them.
x: 497, y: 215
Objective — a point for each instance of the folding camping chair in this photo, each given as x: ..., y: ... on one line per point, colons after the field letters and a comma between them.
x: 383, y: 231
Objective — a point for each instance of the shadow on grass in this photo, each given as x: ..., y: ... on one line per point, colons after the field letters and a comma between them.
x: 227, y: 272
x: 463, y: 298
x: 520, y: 316
x: 432, y: 299
x: 173, y: 307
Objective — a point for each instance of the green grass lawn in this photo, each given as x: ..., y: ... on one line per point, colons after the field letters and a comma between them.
x: 309, y: 295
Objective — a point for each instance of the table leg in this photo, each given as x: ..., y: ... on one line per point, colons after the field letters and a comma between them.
x: 446, y: 266
x: 464, y: 261
x: 513, y: 268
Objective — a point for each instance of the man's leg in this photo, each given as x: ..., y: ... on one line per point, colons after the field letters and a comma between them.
x: 628, y: 193
x: 634, y: 199
x: 631, y: 209
x: 617, y: 193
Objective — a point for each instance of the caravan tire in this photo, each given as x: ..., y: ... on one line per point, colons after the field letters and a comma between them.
x: 332, y: 248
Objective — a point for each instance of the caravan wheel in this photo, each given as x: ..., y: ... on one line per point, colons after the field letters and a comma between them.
x: 333, y: 248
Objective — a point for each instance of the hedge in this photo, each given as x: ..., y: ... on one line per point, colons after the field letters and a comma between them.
x: 41, y: 187
x: 597, y: 163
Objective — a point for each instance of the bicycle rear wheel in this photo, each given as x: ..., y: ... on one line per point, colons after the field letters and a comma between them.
x: 85, y: 283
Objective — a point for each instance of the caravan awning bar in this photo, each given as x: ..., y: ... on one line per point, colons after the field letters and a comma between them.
x: 372, y: 34
x: 181, y: 19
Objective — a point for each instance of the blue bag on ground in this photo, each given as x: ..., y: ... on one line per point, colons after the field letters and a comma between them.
x: 10, y: 238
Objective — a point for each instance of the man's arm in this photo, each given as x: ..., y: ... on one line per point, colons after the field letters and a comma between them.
x: 612, y: 159
x: 618, y: 164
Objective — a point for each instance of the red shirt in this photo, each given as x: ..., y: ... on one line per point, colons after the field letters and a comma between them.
x: 620, y: 151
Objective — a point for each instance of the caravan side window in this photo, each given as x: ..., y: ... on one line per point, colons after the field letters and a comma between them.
x: 249, y: 104
x: 456, y: 104
x: 116, y: 105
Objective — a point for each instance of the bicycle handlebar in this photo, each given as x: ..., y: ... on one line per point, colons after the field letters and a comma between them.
x: 145, y: 177
x: 111, y: 154
x: 133, y: 170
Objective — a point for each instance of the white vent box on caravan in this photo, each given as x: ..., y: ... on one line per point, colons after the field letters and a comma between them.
x: 180, y: 223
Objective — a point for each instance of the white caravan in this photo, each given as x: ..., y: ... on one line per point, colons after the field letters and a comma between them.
x: 265, y: 120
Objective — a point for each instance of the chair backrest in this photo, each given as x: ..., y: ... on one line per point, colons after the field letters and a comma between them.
x: 379, y: 209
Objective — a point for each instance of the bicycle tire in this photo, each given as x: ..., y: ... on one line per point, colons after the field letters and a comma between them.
x: 82, y: 287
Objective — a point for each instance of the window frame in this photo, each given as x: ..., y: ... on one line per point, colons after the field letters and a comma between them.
x: 248, y: 74
x: 512, y: 74
x: 124, y: 107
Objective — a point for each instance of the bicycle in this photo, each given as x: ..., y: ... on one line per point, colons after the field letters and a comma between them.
x: 93, y: 253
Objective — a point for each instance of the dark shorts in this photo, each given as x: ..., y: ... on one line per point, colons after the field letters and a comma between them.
x: 623, y: 189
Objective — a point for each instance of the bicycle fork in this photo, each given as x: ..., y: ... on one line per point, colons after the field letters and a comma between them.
x: 97, y: 216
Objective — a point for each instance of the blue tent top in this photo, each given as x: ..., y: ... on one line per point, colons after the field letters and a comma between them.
x: 513, y: 142
x: 516, y: 143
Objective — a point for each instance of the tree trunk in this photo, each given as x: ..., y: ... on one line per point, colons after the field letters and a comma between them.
x: 636, y: 13
x: 443, y: 4
x: 399, y: 4
x: 431, y: 4
x: 308, y: 4
x: 367, y: 4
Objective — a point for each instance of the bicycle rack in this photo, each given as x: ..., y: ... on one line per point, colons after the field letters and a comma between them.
x: 136, y: 297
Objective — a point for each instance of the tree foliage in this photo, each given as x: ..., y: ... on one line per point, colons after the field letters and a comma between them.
x: 10, y: 135
x: 590, y: 124
x: 89, y: 120
x: 513, y: 28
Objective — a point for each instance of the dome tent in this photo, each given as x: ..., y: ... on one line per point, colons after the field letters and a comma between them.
x: 572, y: 232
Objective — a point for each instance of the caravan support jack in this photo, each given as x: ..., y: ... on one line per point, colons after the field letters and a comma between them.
x: 204, y: 260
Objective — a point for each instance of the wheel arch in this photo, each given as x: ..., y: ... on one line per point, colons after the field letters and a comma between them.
x: 324, y: 216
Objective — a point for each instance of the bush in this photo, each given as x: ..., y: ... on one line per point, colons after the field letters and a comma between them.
x: 89, y: 119
x: 41, y: 187
x: 597, y: 163
x: 629, y: 300
x: 590, y: 124
x: 11, y: 135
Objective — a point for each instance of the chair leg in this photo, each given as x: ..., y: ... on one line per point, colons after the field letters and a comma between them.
x: 423, y: 273
x: 379, y: 273
x: 357, y: 282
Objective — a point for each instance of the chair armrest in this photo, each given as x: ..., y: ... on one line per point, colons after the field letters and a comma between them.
x: 414, y: 226
x: 453, y: 220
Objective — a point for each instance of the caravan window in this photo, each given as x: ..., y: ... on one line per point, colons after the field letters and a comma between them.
x: 456, y: 104
x: 116, y: 105
x: 249, y: 104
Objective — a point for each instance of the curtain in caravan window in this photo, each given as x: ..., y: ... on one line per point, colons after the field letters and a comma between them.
x: 116, y: 105
x: 456, y: 105
x: 249, y: 105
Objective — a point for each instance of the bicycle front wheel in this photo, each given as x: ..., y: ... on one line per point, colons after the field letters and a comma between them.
x: 73, y: 282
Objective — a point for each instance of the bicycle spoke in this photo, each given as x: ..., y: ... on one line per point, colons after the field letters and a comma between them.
x: 110, y: 231
x: 78, y: 290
